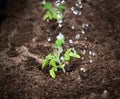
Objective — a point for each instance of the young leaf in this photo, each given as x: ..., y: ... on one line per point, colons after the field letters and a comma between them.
x: 48, y: 15
x: 58, y: 43
x: 74, y: 55
x: 53, y: 63
x: 54, y: 14
x: 45, y: 61
x: 61, y: 8
x: 52, y: 73
x: 47, y: 6
x: 67, y: 54
x: 55, y: 68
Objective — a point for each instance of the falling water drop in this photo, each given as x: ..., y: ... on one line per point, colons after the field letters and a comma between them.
x: 85, y: 25
x: 75, y: 12
x: 80, y: 13
x: 90, y: 52
x: 70, y: 41
x: 49, y: 39
x: 72, y: 8
x: 82, y: 58
x: 59, y: 25
x: 93, y: 53
x: 83, y: 69
x: 43, y: 2
x: 76, y: 4
x: 84, y: 51
x: 83, y: 32
x: 91, y: 61
x: 77, y: 36
x: 73, y: 49
x: 73, y: 27
x: 63, y: 2
x: 81, y: 6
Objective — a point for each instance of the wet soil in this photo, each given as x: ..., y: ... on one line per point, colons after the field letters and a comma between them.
x: 23, y: 45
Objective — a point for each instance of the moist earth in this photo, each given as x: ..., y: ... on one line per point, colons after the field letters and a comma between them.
x: 24, y: 43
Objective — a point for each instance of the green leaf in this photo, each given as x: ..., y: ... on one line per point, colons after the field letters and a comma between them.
x: 47, y: 6
x: 52, y: 63
x: 45, y: 61
x: 61, y: 8
x: 48, y: 15
x: 73, y: 54
x: 55, y: 68
x: 54, y: 14
x: 67, y: 54
x: 52, y: 73
x: 58, y: 43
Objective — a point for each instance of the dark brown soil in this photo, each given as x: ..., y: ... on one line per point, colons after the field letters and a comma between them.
x: 23, y: 44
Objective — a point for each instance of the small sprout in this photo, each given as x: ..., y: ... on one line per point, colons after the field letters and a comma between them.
x: 52, y: 12
x: 57, y: 59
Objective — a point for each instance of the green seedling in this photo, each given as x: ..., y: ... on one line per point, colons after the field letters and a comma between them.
x: 52, y: 12
x: 55, y: 60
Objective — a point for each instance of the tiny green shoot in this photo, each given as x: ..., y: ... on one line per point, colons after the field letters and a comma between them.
x: 55, y: 60
x: 51, y: 12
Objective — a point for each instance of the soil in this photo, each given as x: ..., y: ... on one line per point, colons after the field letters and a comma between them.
x: 23, y: 45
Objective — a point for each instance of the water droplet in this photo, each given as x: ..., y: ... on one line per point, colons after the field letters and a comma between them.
x: 85, y: 25
x: 57, y: 3
x: 72, y: 8
x: 76, y: 4
x: 43, y: 2
x: 83, y: 32
x: 82, y: 58
x: 85, y: 46
x: 93, y: 53
x: 81, y: 6
x: 77, y: 36
x: 75, y: 12
x: 73, y: 27
x: 61, y: 50
x: 63, y: 2
x: 59, y: 21
x: 83, y: 69
x: 91, y: 61
x: 49, y: 39
x: 59, y: 16
x: 80, y: 13
x: 47, y: 20
x: 73, y: 49
x: 85, y: 38
x: 90, y: 52
x: 70, y: 41
x: 60, y: 36
x: 62, y: 58
x: 59, y: 25
x: 84, y: 51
